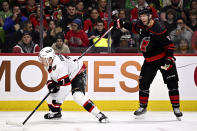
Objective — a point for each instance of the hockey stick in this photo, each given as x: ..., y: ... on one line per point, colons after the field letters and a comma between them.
x: 187, y: 65
x: 94, y: 43
x: 21, y: 124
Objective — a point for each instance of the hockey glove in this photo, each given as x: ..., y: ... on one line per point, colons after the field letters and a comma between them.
x: 118, y: 24
x: 169, y: 62
x: 53, y: 86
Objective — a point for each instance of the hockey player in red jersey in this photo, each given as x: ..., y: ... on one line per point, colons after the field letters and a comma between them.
x: 157, y: 49
x: 65, y: 75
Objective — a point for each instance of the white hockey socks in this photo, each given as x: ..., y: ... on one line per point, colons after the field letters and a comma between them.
x: 82, y: 100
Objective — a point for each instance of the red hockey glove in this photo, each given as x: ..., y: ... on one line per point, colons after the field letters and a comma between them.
x: 53, y: 86
x: 169, y: 62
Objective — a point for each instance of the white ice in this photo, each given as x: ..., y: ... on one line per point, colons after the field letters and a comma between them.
x: 84, y: 121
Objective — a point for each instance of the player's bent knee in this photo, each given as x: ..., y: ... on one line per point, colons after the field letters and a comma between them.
x: 78, y: 90
x: 79, y: 97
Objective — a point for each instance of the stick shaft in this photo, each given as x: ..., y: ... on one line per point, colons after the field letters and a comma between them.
x: 95, y: 42
x: 36, y: 108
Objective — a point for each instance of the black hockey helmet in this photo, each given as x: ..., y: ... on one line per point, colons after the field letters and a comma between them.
x: 144, y: 10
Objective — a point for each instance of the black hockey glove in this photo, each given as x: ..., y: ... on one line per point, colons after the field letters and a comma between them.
x: 118, y: 24
x: 53, y: 86
x: 169, y: 62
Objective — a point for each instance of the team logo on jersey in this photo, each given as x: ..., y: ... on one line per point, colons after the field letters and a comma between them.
x: 54, y: 67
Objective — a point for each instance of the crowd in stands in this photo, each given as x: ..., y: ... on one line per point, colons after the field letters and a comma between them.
x: 71, y: 26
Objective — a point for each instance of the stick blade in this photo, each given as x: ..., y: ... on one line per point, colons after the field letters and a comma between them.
x: 14, y: 123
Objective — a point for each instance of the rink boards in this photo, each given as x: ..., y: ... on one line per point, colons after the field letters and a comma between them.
x: 112, y: 83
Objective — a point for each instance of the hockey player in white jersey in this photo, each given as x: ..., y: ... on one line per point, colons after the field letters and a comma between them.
x: 64, y: 76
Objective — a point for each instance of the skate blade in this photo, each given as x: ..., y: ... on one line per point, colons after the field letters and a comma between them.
x: 178, y: 118
x: 105, y: 121
x: 140, y: 117
x: 54, y: 119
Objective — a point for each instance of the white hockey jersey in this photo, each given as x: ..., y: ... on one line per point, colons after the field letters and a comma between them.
x: 64, y: 70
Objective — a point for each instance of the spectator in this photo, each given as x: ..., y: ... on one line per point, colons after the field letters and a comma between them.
x: 59, y: 46
x: 29, y: 8
x: 6, y: 12
x: 141, y: 4
x: 18, y: 2
x: 102, y: 6
x: 53, y: 10
x: 130, y: 4
x: 194, y: 42
x: 68, y: 18
x: 168, y: 3
x: 76, y: 37
x: 102, y: 45
x: 12, y: 25
x: 170, y: 23
x: 90, y: 4
x: 181, y: 32
x: 183, y: 47
x: 98, y: 32
x: 90, y: 23
x: 14, y: 22
x: 155, y: 4
x: 192, y: 23
x: 35, y: 20
x: 175, y: 5
x: 193, y: 5
x: 80, y: 10
x: 65, y: 3
x: 26, y: 45
x: 51, y: 33
x: 16, y: 36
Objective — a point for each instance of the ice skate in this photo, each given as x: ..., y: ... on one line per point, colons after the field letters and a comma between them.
x: 53, y: 115
x: 140, y: 113
x: 177, y: 113
x: 102, y: 118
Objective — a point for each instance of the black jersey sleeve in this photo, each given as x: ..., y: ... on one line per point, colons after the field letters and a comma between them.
x: 163, y: 37
x: 167, y: 44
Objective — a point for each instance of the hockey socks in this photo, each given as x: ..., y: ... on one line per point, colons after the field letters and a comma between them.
x: 82, y: 100
x: 143, y: 98
x: 174, y: 98
x: 88, y: 105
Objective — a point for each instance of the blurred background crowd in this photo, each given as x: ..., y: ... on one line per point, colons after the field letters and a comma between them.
x: 71, y: 26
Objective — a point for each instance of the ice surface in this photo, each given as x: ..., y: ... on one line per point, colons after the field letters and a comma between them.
x: 84, y: 121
